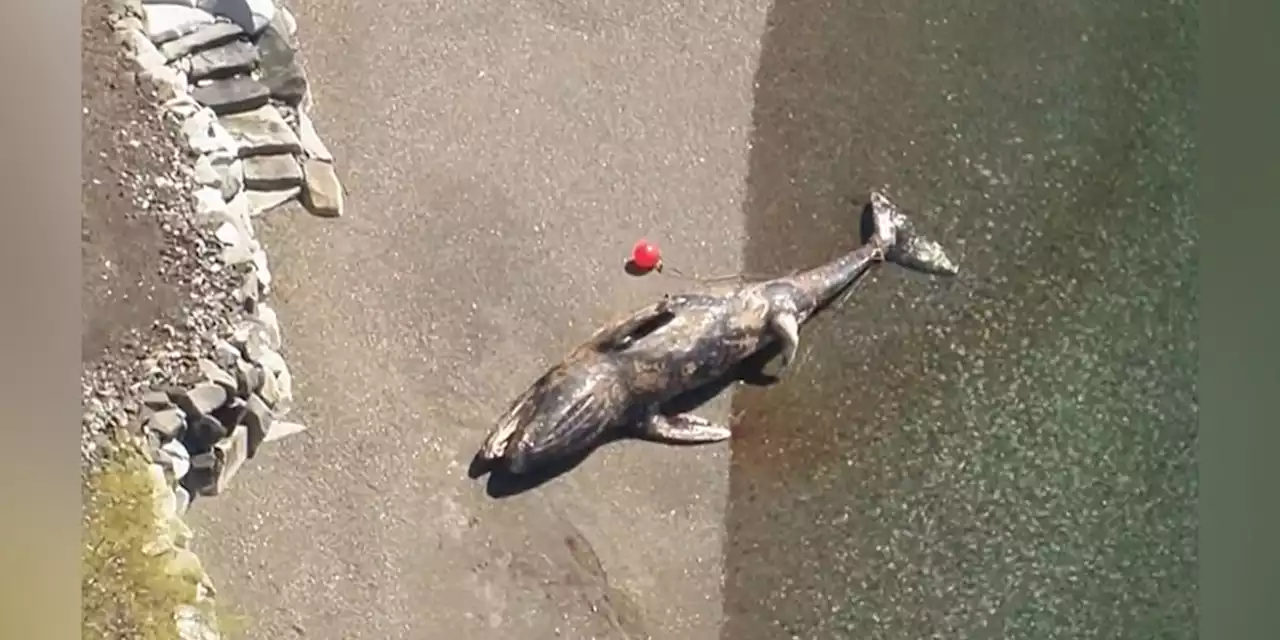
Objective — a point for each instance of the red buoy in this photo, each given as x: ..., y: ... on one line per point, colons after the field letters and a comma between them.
x: 646, y: 256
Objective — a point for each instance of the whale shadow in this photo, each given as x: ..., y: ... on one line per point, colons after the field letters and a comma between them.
x: 502, y: 483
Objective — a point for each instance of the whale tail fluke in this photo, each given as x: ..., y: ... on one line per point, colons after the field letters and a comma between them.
x: 884, y: 220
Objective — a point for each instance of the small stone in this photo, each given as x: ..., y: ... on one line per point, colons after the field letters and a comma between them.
x: 284, y: 387
x: 174, y: 456
x: 257, y: 420
x: 220, y: 171
x: 156, y: 400
x: 178, y: 530
x: 204, y: 134
x: 272, y: 173
x: 250, y: 285
x: 270, y: 390
x: 231, y: 453
x: 183, y: 106
x: 237, y: 56
x: 168, y: 423
x: 279, y: 69
x: 323, y: 193
x: 266, y: 316
x: 185, y: 564
x: 211, y: 209
x: 312, y: 146
x: 236, y: 234
x: 250, y: 337
x: 247, y: 293
x: 149, y: 58
x: 226, y: 354
x: 237, y: 254
x: 282, y: 429
x: 273, y: 362
x: 205, y: 397
x: 249, y: 378
x: 262, y: 131
x: 285, y: 23
x: 167, y: 22
x: 261, y: 202
x: 203, y: 37
x: 264, y: 273
x: 232, y: 95
x: 183, y: 499
x: 228, y: 234
x: 213, y: 373
x: 252, y: 15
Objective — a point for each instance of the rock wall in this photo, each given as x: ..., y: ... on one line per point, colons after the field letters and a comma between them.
x: 229, y: 73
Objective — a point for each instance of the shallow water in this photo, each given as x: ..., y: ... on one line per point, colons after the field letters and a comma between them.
x: 1011, y: 450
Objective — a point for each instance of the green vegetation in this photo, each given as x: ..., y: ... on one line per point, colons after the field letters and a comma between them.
x: 127, y: 592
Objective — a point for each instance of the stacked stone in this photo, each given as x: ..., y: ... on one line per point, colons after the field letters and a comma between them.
x: 237, y: 83
x: 229, y: 73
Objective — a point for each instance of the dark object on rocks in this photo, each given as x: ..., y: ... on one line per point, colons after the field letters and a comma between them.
x: 232, y: 95
x: 203, y: 433
x: 235, y: 57
x: 279, y: 67
x: 167, y: 422
x: 203, y: 473
x: 232, y: 413
x: 272, y: 173
x: 261, y: 131
x: 205, y: 37
x: 628, y: 375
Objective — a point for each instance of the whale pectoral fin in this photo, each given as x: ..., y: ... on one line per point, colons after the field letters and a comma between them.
x: 683, y: 428
x: 787, y: 328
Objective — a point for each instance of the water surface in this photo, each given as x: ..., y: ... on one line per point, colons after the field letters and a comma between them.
x: 1009, y: 454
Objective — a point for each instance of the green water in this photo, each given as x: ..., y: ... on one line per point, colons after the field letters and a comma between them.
x: 1009, y: 454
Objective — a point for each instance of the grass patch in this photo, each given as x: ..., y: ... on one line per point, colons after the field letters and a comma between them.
x: 125, y: 591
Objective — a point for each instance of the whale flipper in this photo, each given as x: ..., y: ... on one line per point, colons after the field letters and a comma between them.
x: 787, y: 327
x: 683, y: 428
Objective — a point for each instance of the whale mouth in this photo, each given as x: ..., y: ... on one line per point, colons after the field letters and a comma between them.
x: 907, y: 248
